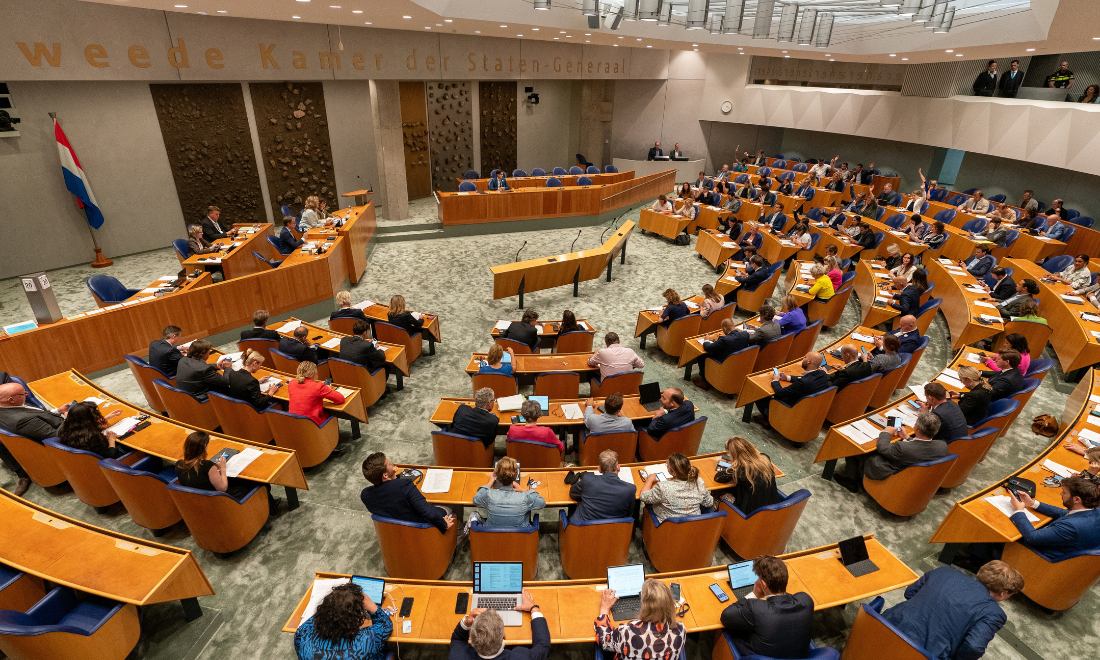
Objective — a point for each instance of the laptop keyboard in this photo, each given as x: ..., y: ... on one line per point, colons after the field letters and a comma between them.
x: 741, y: 592
x: 627, y: 608
x: 497, y: 603
x: 861, y: 568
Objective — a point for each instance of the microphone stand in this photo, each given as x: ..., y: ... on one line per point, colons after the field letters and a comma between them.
x: 575, y: 239
x: 520, y: 250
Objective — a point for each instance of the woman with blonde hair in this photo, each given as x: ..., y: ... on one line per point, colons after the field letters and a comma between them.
x: 711, y: 301
x: 344, y: 309
x: 403, y: 318
x: 823, y: 285
x: 791, y: 318
x: 832, y: 269
x: 307, y: 394
x: 311, y: 219
x: 682, y: 495
x: 654, y: 635
x: 674, y: 308
x: 975, y: 403
x: 753, y: 484
x: 244, y: 386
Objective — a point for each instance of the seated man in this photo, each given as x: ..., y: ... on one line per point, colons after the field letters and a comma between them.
x: 477, y: 421
x: 614, y: 358
x: 675, y: 411
x: 719, y: 346
x: 854, y: 368
x: 887, y: 358
x: 890, y: 457
x: 259, y: 327
x: 952, y: 615
x: 196, y: 376
x: 975, y: 204
x: 480, y: 634
x: 499, y: 182
x: 813, y: 380
x: 286, y: 237
x: 749, y: 192
x: 774, y: 624
x: 1056, y: 231
x: 775, y: 218
x: 1003, y: 288
x: 755, y: 274
x: 604, y: 495
x: 1008, y: 381
x: 768, y: 330
x: 400, y: 499
x: 163, y: 354
x: 886, y: 197
x: 298, y: 348
x: 906, y: 332
x: 952, y: 418
x: 907, y: 297
x: 611, y: 420
x: 1074, y: 528
x: 213, y: 229
x: 1026, y: 289
x: 866, y: 240
x: 360, y: 349
x: 982, y: 262
x: 34, y: 423
x: 994, y: 233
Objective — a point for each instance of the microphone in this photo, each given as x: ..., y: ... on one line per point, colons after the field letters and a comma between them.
x: 606, y: 230
x: 520, y: 250
x: 575, y: 239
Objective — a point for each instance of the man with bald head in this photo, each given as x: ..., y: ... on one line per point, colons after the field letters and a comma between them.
x: 854, y: 368
x: 907, y: 334
x: 675, y: 411
x: 718, y: 346
x: 813, y: 380
x: 23, y: 419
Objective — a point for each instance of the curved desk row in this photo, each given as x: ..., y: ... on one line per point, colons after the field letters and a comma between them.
x: 1074, y: 340
x: 395, y: 353
x: 359, y: 226
x: 515, y: 182
x: 236, y: 258
x: 570, y: 606
x: 444, y: 413
x: 963, y: 304
x: 541, y: 363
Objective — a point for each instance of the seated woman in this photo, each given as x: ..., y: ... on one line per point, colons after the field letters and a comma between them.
x: 918, y: 229
x: 685, y: 192
x: 936, y: 236
x: 786, y: 187
x: 823, y: 286
x: 86, y: 428
x: 674, y: 308
x: 399, y: 316
x: 568, y: 323
x: 196, y: 244
x: 346, y: 625
x: 1029, y: 311
x: 749, y: 239
x: 1029, y: 220
x: 832, y: 269
x: 906, y: 267
x: 307, y: 394
x: 731, y: 225
x: 1077, y: 275
x: 311, y: 219
x: 195, y: 471
x: 893, y: 258
x: 1092, y: 93
x: 505, y: 501
x: 711, y: 301
x: 344, y: 310
x: 655, y: 634
x: 243, y: 384
x: 800, y: 233
x: 753, y: 484
x: 975, y: 403
x: 524, y: 331
x: 791, y: 318
x: 870, y: 210
x: 662, y: 205
x: 530, y: 430
x: 494, y: 362
x: 682, y: 495
x: 1017, y: 342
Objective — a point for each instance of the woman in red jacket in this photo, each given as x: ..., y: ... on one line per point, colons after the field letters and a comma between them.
x: 307, y: 395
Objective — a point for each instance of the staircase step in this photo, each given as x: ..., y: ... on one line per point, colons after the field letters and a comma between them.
x: 397, y: 229
x: 398, y: 237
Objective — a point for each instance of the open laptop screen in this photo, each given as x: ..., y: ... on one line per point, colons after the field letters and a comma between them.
x: 649, y: 392
x: 741, y: 574
x: 626, y: 581
x: 853, y: 550
x: 498, y: 577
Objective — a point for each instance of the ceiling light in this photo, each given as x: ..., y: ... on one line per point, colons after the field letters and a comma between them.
x: 222, y: 11
x: 368, y: 23
x: 568, y: 36
x: 401, y: 17
x: 360, y: 11
x: 695, y: 49
x: 1030, y: 49
x: 945, y: 25
x: 741, y: 53
x: 503, y: 26
x: 590, y: 8
x: 587, y: 41
x: 542, y: 5
x: 335, y: 7
x: 588, y: 34
x: 439, y: 25
x: 695, y: 45
x: 639, y: 39
x: 806, y: 27
x: 649, y: 46
x: 893, y: 55
x: 949, y: 51
x: 621, y: 38
x: 447, y: 20
x: 958, y: 54
x: 556, y: 38
x: 648, y: 9
x: 519, y: 35
x: 905, y: 59
x: 784, y: 51
x: 203, y: 13
x: 477, y: 31
x: 295, y: 16
x: 615, y: 45
x: 832, y: 60
x: 740, y: 48
x: 787, y: 56
x: 427, y: 27
x: 562, y: 32
x: 181, y: 6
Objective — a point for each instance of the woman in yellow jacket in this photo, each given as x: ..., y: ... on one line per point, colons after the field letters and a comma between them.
x: 823, y: 286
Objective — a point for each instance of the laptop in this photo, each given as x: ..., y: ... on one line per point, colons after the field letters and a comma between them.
x: 498, y: 585
x: 853, y: 554
x: 626, y: 582
x: 742, y: 579
x: 650, y: 396
x: 374, y: 588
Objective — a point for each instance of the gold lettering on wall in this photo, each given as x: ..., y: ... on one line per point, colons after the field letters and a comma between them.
x: 214, y: 59
x: 139, y: 57
x: 53, y: 58
x: 357, y: 62
x: 94, y: 53
x: 267, y: 56
x: 328, y: 58
x: 299, y: 59
x: 177, y: 55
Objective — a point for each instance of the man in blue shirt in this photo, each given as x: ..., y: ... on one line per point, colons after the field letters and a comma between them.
x: 982, y: 262
x: 675, y: 411
x: 953, y: 616
x: 1056, y: 232
x: 1074, y: 528
x: 499, y: 182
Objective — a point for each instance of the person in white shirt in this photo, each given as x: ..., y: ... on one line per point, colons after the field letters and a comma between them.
x: 615, y: 358
x: 662, y: 205
x: 723, y: 174
x: 311, y: 219
x: 977, y: 203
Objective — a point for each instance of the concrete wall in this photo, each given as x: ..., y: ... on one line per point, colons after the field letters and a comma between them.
x: 548, y: 133
x: 114, y: 130
x: 351, y: 135
x: 887, y: 155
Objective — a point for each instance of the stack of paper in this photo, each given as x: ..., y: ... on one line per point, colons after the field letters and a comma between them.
x: 1060, y: 470
x: 729, y: 244
x: 437, y: 481
x: 866, y: 428
x: 855, y: 435
x: 365, y: 304
x: 624, y: 474
x: 992, y: 319
x: 1090, y: 317
x: 323, y: 587
x: 974, y: 357
x: 885, y: 276
x: 332, y: 343
x: 417, y: 315
x: 502, y: 325
x: 238, y: 462
x: 862, y: 337
x: 1094, y: 398
x: 883, y: 299
x: 880, y: 266
x: 149, y: 291
x: 165, y: 278
x: 124, y: 426
x: 572, y: 411
x: 982, y: 303
x: 974, y: 289
x: 1090, y: 436
x: 1001, y: 503
x: 919, y: 391
x: 508, y: 403
x: 269, y: 384
x: 584, y: 325
x: 289, y: 326
x: 1073, y: 299
x: 691, y: 305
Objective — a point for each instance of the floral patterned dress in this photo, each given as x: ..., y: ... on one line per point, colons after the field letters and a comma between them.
x: 639, y: 640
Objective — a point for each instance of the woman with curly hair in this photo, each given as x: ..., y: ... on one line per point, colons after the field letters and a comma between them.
x: 85, y: 428
x: 346, y: 626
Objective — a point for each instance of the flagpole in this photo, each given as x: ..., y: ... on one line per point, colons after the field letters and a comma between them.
x: 100, y: 261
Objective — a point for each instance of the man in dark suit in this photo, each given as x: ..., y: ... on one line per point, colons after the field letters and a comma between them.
x: 952, y: 418
x: 718, y: 346
x: 1074, y: 528
x: 760, y: 160
x: 854, y: 368
x: 654, y: 151
x: 481, y: 635
x: 774, y: 624
x: 676, y: 153
x: 604, y: 495
x: 862, y: 176
x: 907, y: 297
x: 400, y: 499
x: 259, y: 327
x: 1008, y: 381
x: 1003, y: 288
x: 297, y: 347
x: 982, y: 262
x: 675, y: 411
x: 768, y: 329
x: 19, y: 417
x: 890, y: 457
x: 986, y: 82
x: 477, y: 421
x: 286, y: 237
x: 196, y: 376
x: 866, y: 240
x: 212, y: 230
x: 775, y: 218
x: 813, y: 380
x: 755, y: 277
x: 953, y: 615
x: 1026, y: 289
x: 1010, y: 80
x: 907, y: 333
x: 360, y: 349
x: 837, y: 219
x: 749, y: 192
x: 163, y: 353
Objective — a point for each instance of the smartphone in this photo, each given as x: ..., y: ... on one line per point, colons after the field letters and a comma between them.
x: 675, y: 586
x: 895, y: 422
x: 718, y: 593
x: 643, y: 474
x: 406, y: 607
x: 723, y: 464
x: 914, y: 404
x: 775, y: 372
x: 462, y: 603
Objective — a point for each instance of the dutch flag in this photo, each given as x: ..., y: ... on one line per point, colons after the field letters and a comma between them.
x: 75, y: 180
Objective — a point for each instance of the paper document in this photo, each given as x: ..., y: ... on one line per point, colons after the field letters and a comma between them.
x: 658, y: 468
x: 974, y: 357
x: 1090, y: 436
x: 1091, y: 317
x: 437, y: 481
x: 332, y: 343
x: 365, y: 304
x: 133, y: 302
x: 624, y: 474
x: 1072, y: 299
x: 94, y: 400
x: 508, y: 403
x: 878, y: 266
x: 974, y: 289
x: 345, y: 392
x: 861, y: 337
x: 1095, y: 398
x: 992, y: 319
x: 730, y: 278
x: 866, y: 428
x: 417, y: 315
x: 885, y: 276
x: 539, y: 329
x: 502, y: 325
x: 982, y: 303
x: 238, y: 462
x: 289, y: 326
x: 124, y: 426
x: 787, y: 243
x: 729, y: 245
x: 855, y: 435
x: 149, y: 291
x: 919, y: 391
x: 572, y: 411
x: 165, y: 278
x: 211, y: 261
x: 883, y: 299
x: 323, y: 587
x: 691, y: 304
x: 1000, y: 502
x: 584, y: 325
x: 1060, y: 470
x: 953, y: 382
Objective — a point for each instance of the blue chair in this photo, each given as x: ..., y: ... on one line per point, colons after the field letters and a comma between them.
x: 970, y: 191
x: 219, y: 522
x: 493, y: 174
x: 467, y: 186
x: 708, y: 184
x: 683, y: 439
x: 1071, y: 229
x: 518, y: 172
x: 451, y: 449
x: 560, y: 171
x: 522, y: 545
x: 1084, y: 221
x: 592, y: 169
x: 269, y: 262
x: 278, y: 245
x: 814, y: 214
x: 1011, y: 236
x: 794, y: 159
x: 802, y: 421
x: 812, y: 161
x: 1039, y: 368
x: 881, y: 212
x: 285, y: 210
x: 778, y: 156
x: 143, y: 489
x: 845, y: 264
x: 61, y: 627
x: 878, y: 238
x: 538, y: 171
x: 610, y: 169
x: 975, y: 226
x: 741, y: 178
x: 908, y: 491
x: 923, y: 207
x: 107, y: 290
x: 779, y: 164
x: 588, y: 547
x: 724, y: 649
x: 766, y: 530
x: 989, y: 280
x: 1040, y: 223
x: 1041, y: 206
x: 1024, y: 393
x: 575, y: 170
x: 625, y: 383
x: 471, y: 174
x: 998, y: 198
x: 871, y: 634
x: 945, y: 216
x: 684, y: 542
x: 553, y: 183
x: 786, y: 176
x: 955, y: 200
x: 896, y: 221
x: 764, y: 172
x: 1071, y: 214
x: 584, y: 181
x: 36, y: 459
x: 938, y: 194
x: 998, y: 415
x: 81, y: 470
x: 801, y: 167
x: 182, y: 251
x: 1058, y: 264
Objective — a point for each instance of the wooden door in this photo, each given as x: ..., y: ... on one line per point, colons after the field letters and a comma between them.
x: 414, y: 133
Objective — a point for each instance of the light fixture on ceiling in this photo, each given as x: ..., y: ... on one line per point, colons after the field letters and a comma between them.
x: 924, y: 13
x: 735, y: 16
x: 715, y: 23
x: 590, y: 7
x: 806, y: 27
x: 787, y: 19
x: 542, y: 5
x: 889, y: 3
x: 696, y: 18
x: 406, y: 17
x: 648, y: 9
x: 893, y: 54
x: 762, y: 25
x: 909, y: 7
x: 905, y: 59
x: 945, y: 26
x: 295, y: 16
x: 1030, y: 50
x: 938, y: 12
x: 664, y: 17
x: 630, y: 10
x: 824, y: 29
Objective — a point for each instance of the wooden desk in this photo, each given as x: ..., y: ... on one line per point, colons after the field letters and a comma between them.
x: 869, y: 276
x: 548, y: 272
x: 973, y: 520
x: 541, y: 363
x: 846, y: 248
x: 380, y: 312
x: 894, y: 237
x: 648, y: 320
x: 360, y: 196
x: 570, y: 606
x: 567, y: 180
x: 962, y: 306
x: 164, y: 284
x: 632, y: 409
x: 797, y: 276
x: 164, y: 438
x: 334, y: 257
x: 360, y: 223
x: 776, y: 249
x: 71, y: 553
x: 1073, y: 340
x: 714, y: 246
x: 548, y: 331
x: 670, y: 226
x: 238, y: 261
x: 1034, y: 248
x: 693, y: 346
x: 707, y: 218
x: 395, y: 353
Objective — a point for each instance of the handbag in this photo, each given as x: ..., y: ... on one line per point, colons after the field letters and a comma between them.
x: 1045, y: 425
